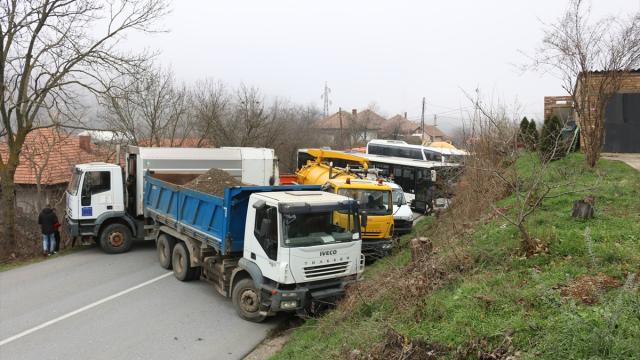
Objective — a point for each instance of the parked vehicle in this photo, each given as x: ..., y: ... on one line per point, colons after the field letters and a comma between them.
x: 269, y: 249
x: 402, y: 214
x: 374, y: 197
x: 105, y: 202
x: 401, y: 149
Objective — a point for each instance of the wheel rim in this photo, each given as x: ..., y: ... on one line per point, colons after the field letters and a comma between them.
x: 249, y: 301
x: 116, y: 239
x: 178, y: 265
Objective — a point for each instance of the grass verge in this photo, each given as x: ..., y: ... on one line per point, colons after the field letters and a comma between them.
x: 578, y: 300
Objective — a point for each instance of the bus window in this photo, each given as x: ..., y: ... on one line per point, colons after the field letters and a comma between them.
x: 397, y: 172
x: 432, y: 155
x: 408, y: 179
x: 375, y: 149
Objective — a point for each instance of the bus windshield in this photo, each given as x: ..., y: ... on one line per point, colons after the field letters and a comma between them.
x: 375, y: 202
x: 317, y: 228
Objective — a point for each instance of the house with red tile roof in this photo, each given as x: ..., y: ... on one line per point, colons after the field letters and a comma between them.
x: 46, y: 162
x: 351, y: 128
x: 399, y: 128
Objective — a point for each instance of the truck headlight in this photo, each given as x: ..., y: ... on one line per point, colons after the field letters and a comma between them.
x: 285, y: 305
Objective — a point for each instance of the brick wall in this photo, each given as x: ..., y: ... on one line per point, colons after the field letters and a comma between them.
x: 552, y: 102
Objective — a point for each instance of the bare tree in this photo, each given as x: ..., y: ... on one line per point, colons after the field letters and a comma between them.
x: 50, y: 51
x: 494, y: 143
x: 590, y: 57
x: 210, y: 104
x: 149, y: 109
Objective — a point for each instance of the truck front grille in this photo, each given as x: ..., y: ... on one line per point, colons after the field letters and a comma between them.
x: 324, y: 270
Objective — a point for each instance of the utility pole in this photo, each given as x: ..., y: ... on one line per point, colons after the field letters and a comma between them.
x: 327, y: 102
x: 341, y: 137
x: 435, y: 120
x: 422, y: 118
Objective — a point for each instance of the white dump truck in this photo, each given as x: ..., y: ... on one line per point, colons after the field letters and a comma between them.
x: 105, y: 201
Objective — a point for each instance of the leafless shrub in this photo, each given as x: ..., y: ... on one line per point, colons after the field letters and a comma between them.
x: 590, y: 58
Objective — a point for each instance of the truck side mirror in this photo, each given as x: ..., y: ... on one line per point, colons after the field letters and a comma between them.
x: 259, y: 204
x: 363, y: 219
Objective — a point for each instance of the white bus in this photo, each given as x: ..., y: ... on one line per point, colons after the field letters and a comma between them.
x: 401, y: 149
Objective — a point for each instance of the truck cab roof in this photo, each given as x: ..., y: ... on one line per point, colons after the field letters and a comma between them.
x: 310, y: 197
x: 97, y: 164
x: 359, y: 184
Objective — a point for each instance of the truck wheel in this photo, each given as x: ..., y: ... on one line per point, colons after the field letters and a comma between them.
x: 181, y: 263
x: 165, y: 248
x: 115, y: 239
x: 246, y: 300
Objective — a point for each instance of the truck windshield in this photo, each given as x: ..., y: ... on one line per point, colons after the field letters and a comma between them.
x: 317, y: 228
x: 75, y: 181
x: 375, y: 202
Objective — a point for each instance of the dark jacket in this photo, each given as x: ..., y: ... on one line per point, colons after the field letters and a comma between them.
x: 46, y: 220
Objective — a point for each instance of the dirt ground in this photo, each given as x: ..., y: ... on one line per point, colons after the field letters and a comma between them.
x: 632, y: 159
x: 213, y: 182
x: 588, y: 288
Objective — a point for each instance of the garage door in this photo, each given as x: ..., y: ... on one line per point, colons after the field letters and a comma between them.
x: 622, y: 124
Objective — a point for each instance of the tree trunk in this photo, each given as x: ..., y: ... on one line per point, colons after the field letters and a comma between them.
x: 8, y: 206
x: 528, y: 244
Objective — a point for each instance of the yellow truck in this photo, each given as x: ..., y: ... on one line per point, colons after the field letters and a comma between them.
x: 374, y: 197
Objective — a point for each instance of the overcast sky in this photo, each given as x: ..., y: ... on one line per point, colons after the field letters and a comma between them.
x: 389, y: 52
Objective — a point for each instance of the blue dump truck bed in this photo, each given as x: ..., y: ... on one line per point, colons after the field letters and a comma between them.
x: 218, y: 221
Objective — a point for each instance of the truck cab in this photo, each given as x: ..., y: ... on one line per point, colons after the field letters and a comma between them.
x: 95, y: 202
x: 376, y: 201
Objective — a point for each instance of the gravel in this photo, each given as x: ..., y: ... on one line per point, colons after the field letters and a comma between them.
x: 213, y: 182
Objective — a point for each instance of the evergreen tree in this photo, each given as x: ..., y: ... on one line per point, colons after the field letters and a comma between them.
x: 524, y: 128
x: 532, y: 134
x: 550, y: 142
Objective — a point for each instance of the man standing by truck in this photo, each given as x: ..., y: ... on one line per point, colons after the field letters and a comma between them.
x: 47, y: 219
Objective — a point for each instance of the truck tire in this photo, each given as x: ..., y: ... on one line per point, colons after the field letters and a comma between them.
x: 246, y: 300
x: 165, y: 246
x: 181, y: 262
x: 116, y: 238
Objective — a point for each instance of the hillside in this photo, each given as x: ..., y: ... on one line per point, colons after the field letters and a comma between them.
x: 479, y: 297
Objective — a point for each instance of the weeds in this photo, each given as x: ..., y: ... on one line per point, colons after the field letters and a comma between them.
x: 476, y: 290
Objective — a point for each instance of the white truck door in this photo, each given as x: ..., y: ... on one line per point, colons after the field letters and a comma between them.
x: 97, y: 194
x: 261, y: 240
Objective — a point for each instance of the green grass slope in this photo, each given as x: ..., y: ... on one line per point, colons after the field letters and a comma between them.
x: 579, y: 300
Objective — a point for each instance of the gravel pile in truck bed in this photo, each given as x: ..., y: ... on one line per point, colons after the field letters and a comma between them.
x: 213, y: 182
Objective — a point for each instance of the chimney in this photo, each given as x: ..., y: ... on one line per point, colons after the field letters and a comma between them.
x: 354, y: 112
x: 405, y: 115
x: 85, y: 142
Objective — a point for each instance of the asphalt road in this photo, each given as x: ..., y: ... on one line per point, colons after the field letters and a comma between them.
x: 90, y: 305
